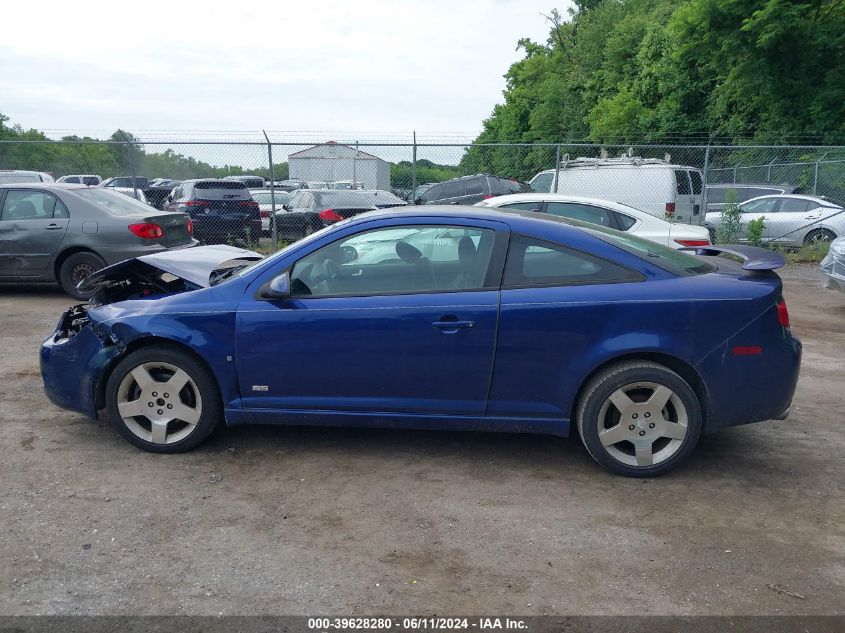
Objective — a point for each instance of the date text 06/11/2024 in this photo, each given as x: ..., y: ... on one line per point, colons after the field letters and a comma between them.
x: 414, y: 624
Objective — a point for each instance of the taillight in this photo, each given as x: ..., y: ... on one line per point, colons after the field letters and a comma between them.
x: 693, y: 242
x: 147, y: 230
x: 265, y: 214
x: 783, y: 314
x: 487, y: 196
x: 249, y: 203
x: 670, y: 209
x: 196, y: 203
x: 190, y: 226
x: 330, y: 215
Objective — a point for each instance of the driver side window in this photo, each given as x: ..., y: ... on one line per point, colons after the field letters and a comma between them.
x: 397, y: 260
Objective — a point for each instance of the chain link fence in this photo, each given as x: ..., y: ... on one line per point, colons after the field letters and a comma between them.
x: 269, y: 189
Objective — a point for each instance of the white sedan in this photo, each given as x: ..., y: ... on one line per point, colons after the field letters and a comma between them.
x: 607, y: 213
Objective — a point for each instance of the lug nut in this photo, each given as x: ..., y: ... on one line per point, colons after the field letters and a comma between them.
x: 651, y: 424
x: 631, y: 428
x: 160, y: 412
x: 167, y: 395
x: 149, y: 404
x: 155, y: 394
x: 648, y: 415
x: 635, y: 416
x: 170, y: 406
x: 642, y: 433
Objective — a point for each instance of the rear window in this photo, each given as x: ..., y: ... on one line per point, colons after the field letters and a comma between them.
x: 113, y: 201
x: 674, y: 261
x: 220, y: 184
x: 695, y: 177
x: 682, y: 179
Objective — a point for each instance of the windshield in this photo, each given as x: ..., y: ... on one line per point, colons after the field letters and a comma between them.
x: 118, y: 203
x: 670, y: 259
x: 264, y: 197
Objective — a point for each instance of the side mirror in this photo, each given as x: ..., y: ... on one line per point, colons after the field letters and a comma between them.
x: 276, y: 289
x: 286, y: 207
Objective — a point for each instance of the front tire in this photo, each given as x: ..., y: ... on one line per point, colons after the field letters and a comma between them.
x: 76, y: 268
x: 639, y: 419
x: 163, y: 400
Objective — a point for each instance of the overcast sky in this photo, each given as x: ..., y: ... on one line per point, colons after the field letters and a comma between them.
x: 377, y: 67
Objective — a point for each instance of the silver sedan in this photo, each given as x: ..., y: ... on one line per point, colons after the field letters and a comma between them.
x: 60, y: 232
x: 788, y: 220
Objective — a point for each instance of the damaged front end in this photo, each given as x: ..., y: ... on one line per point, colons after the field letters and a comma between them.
x: 76, y: 357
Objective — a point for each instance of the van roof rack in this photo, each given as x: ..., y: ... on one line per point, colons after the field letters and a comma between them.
x: 626, y: 158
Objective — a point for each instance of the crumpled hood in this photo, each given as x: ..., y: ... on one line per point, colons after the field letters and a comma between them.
x: 167, y: 272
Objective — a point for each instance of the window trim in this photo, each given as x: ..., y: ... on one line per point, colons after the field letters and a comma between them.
x: 639, y: 277
x: 492, y: 279
x: 610, y: 212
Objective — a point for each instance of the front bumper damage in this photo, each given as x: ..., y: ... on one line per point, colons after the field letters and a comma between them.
x: 74, y: 359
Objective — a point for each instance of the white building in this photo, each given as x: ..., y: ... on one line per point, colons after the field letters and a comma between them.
x: 333, y: 161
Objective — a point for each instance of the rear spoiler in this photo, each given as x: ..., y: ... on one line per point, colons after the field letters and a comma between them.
x: 753, y: 257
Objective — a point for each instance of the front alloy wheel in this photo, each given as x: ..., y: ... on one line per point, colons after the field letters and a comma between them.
x: 639, y: 418
x: 163, y: 399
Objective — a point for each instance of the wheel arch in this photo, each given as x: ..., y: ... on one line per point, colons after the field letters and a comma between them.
x: 679, y: 366
x: 63, y: 255
x: 135, y: 345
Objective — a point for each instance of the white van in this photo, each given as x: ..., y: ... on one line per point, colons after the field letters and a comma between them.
x: 672, y: 192
x: 14, y: 176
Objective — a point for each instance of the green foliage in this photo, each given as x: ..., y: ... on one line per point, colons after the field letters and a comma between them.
x: 112, y: 157
x: 754, y: 230
x: 618, y: 71
x: 401, y: 173
x: 730, y: 220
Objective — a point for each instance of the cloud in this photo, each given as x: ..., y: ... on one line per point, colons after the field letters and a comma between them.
x: 372, y: 66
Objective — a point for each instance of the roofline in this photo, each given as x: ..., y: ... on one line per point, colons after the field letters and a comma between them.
x: 333, y: 144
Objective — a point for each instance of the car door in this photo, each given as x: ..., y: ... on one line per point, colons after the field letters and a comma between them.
x: 453, y: 192
x: 32, y: 226
x: 685, y: 202
x: 754, y: 210
x: 783, y: 225
x: 373, y: 324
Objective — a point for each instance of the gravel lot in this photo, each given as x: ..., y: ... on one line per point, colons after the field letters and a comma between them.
x: 305, y: 521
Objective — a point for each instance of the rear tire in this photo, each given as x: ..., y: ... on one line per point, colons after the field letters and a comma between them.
x: 819, y: 236
x: 76, y: 268
x: 639, y: 419
x: 161, y: 399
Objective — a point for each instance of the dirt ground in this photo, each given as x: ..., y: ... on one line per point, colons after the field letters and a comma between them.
x: 309, y: 521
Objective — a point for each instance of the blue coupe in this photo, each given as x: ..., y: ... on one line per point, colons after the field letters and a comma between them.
x: 437, y: 318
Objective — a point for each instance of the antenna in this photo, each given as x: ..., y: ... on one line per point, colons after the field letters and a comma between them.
x: 603, y: 153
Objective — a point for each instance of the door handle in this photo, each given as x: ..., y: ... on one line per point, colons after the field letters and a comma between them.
x: 453, y: 203
x: 454, y: 325
x: 812, y: 217
x: 53, y: 227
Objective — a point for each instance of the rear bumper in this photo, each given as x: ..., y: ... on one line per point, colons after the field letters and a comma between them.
x: 744, y: 390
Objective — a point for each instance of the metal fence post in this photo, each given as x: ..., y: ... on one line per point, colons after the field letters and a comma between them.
x: 414, y: 170
x: 557, y: 167
x: 131, y: 164
x: 704, y: 184
x: 272, y: 190
x: 816, y: 178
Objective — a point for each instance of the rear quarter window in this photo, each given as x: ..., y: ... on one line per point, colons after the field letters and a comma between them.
x: 533, y: 262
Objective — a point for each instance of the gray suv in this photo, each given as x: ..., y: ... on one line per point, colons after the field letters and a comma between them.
x: 469, y: 190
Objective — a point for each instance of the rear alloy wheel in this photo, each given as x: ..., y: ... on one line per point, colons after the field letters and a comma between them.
x: 639, y: 419
x: 163, y: 400
x: 819, y: 236
x: 76, y: 268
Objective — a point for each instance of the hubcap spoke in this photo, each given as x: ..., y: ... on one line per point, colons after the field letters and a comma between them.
x: 674, y: 431
x: 143, y: 378
x: 614, y: 434
x: 131, y: 409
x: 621, y: 401
x: 177, y: 381
x: 186, y: 414
x: 660, y: 397
x: 159, y: 431
x: 643, y: 453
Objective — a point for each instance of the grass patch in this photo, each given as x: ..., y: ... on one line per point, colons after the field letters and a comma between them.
x: 807, y: 254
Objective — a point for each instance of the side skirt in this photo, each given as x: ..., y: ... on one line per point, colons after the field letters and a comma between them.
x: 365, y: 419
